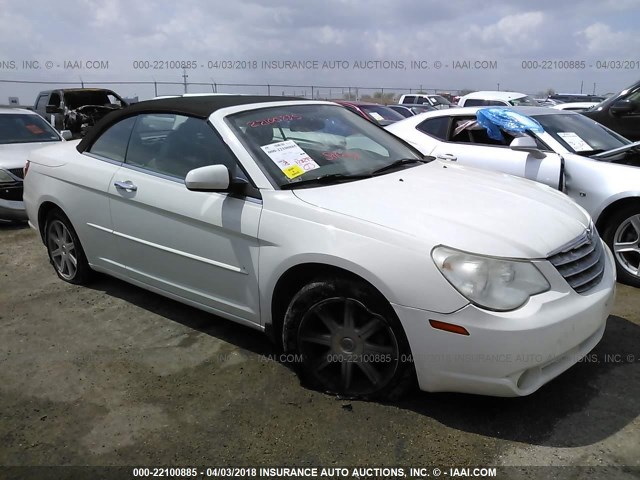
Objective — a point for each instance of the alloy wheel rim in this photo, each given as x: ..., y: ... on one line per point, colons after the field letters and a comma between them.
x: 62, y: 250
x: 626, y: 245
x: 347, y: 347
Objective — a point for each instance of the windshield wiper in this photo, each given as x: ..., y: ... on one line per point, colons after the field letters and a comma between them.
x: 324, y: 180
x: 398, y: 163
x: 615, y: 151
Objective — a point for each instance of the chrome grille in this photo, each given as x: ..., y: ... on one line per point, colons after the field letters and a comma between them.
x: 18, y: 172
x: 582, y: 262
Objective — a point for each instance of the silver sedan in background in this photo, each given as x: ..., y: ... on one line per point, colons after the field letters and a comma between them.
x: 21, y: 131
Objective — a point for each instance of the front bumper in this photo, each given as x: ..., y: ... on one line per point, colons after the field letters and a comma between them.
x: 510, y: 353
x: 12, y: 210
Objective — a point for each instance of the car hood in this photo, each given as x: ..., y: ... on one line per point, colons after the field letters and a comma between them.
x: 14, y: 155
x: 462, y: 207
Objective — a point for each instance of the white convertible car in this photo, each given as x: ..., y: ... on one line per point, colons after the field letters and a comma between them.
x: 595, y: 166
x: 370, y: 264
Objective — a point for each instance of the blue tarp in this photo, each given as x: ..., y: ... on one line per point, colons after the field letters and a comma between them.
x: 494, y: 119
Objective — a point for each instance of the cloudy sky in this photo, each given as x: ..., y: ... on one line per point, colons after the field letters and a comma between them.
x: 502, y: 33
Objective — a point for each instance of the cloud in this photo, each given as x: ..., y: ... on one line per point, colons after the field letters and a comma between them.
x: 601, y: 38
x: 513, y: 34
x: 123, y: 30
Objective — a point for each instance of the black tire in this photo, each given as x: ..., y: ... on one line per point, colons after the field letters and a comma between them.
x: 620, y: 229
x: 65, y: 250
x: 366, y: 357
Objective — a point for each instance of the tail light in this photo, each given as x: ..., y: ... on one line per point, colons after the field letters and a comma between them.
x: 26, y: 169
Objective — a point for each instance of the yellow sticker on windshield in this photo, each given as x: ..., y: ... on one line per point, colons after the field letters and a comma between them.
x: 293, y: 171
x: 292, y: 160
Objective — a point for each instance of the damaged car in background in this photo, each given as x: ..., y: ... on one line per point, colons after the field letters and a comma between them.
x: 595, y: 166
x: 76, y: 109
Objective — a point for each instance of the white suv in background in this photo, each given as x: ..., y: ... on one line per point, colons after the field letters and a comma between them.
x: 436, y: 101
x: 489, y: 98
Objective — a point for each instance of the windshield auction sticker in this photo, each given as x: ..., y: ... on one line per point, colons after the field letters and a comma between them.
x: 292, y: 160
x: 575, y: 141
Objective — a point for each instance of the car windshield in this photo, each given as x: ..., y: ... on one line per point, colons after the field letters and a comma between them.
x: 525, y: 101
x: 380, y: 112
x: 25, y: 128
x: 579, y: 134
x: 79, y: 98
x: 294, y: 143
x: 439, y: 100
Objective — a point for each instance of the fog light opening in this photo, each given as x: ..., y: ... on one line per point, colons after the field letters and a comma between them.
x: 529, y: 378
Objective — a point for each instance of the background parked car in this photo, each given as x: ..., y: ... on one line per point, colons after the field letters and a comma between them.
x: 576, y: 97
x: 20, y: 132
x: 548, y: 102
x: 575, y: 106
x: 411, y: 110
x: 436, y: 101
x: 374, y: 112
x: 366, y: 262
x: 596, y: 167
x: 497, y: 98
x: 620, y: 112
x: 76, y: 109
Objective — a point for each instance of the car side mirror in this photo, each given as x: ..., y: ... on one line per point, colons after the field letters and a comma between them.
x: 52, y: 109
x: 66, y: 134
x: 526, y: 144
x: 212, y: 178
x: 622, y: 107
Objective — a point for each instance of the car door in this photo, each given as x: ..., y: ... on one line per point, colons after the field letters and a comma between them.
x: 90, y: 178
x: 57, y: 119
x: 472, y: 146
x: 199, y: 246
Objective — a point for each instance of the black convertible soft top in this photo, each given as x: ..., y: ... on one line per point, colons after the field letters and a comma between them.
x: 200, y: 106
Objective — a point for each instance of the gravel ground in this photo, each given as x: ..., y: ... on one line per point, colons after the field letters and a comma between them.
x: 113, y: 375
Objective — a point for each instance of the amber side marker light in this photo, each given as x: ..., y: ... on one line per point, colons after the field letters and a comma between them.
x: 448, y: 327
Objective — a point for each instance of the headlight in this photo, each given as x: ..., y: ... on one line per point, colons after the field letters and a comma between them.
x: 5, y: 177
x: 491, y: 283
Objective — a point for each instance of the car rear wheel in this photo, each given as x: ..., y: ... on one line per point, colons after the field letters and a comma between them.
x: 349, y: 340
x: 65, y: 251
x: 622, y: 234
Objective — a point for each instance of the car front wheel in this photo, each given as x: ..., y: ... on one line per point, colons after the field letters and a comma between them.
x: 349, y: 340
x: 622, y: 234
x: 65, y: 251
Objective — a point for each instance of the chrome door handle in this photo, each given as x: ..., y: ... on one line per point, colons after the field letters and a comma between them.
x: 128, y: 186
x: 447, y: 156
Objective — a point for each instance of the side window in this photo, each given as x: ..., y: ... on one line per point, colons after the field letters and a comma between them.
x: 474, y: 102
x: 409, y: 99
x: 113, y: 142
x: 496, y: 103
x: 175, y: 144
x: 481, y: 137
x: 113, y: 100
x: 467, y: 130
x: 436, y: 127
x: 54, y: 99
x: 42, y: 102
x: 634, y: 97
x: 402, y: 111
